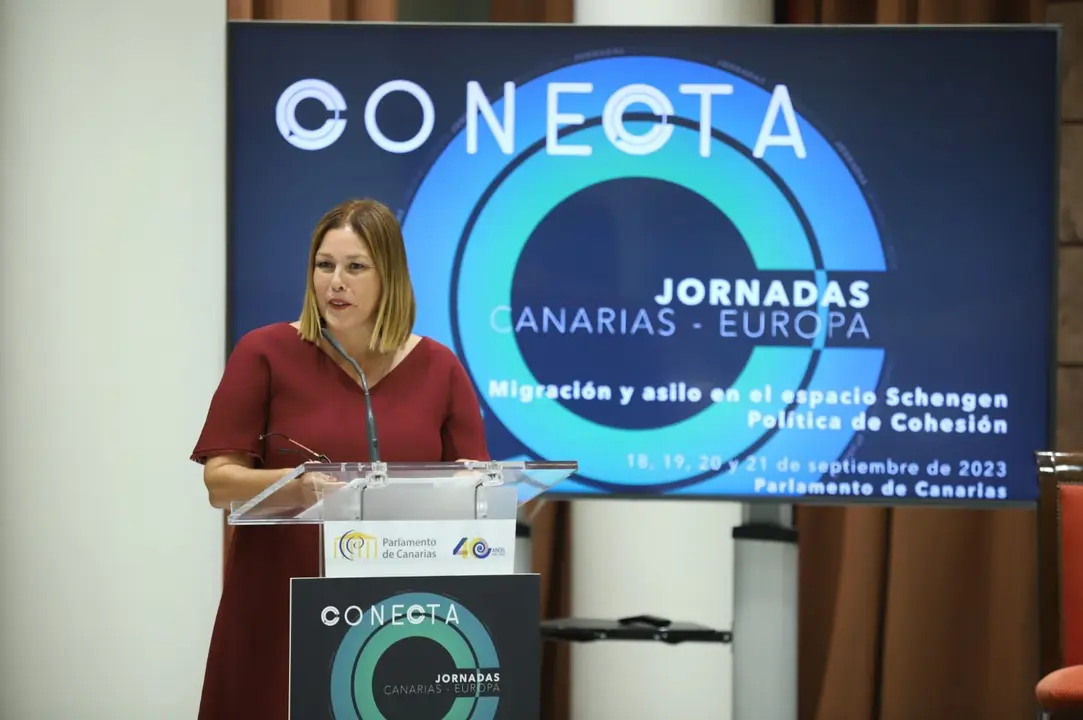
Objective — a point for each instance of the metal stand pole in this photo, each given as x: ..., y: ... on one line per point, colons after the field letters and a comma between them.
x: 765, y: 614
x: 523, y: 545
x: 523, y: 549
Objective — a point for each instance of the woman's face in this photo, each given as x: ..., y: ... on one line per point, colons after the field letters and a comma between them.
x: 346, y: 282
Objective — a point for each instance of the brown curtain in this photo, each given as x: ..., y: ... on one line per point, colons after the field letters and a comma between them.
x: 373, y: 10
x: 922, y: 12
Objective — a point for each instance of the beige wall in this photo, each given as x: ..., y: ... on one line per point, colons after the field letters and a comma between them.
x: 112, y: 304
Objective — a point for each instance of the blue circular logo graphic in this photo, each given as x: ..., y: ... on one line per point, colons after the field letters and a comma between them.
x: 411, y: 615
x: 476, y: 212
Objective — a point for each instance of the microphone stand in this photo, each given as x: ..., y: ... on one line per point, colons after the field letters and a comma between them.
x: 378, y: 474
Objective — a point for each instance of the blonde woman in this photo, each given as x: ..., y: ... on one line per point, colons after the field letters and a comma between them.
x: 289, y: 395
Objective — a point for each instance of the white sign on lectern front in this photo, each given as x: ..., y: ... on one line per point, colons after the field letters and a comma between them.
x: 389, y: 548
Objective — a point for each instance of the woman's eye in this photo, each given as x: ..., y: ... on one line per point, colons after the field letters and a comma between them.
x: 323, y: 265
x: 357, y: 267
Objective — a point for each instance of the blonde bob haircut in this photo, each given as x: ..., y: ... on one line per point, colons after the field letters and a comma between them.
x: 374, y: 223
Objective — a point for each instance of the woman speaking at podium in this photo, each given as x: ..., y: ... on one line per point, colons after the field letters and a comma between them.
x: 291, y: 393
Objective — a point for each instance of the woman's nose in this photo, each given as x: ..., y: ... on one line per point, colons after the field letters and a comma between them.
x: 336, y: 280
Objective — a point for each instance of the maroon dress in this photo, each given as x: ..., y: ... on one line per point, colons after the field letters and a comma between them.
x: 275, y: 382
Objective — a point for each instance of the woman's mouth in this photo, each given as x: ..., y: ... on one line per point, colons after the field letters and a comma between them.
x: 338, y: 304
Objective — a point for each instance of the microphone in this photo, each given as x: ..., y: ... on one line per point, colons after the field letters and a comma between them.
x: 370, y: 418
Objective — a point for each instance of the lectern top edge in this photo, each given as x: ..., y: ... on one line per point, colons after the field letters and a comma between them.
x: 314, y: 492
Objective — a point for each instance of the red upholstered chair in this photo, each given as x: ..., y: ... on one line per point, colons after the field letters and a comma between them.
x: 1060, y: 528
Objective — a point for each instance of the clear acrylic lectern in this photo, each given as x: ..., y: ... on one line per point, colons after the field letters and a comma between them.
x: 381, y: 519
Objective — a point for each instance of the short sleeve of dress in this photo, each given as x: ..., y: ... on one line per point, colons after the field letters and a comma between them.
x: 463, y: 433
x: 238, y: 409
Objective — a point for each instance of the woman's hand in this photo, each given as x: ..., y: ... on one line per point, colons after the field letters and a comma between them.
x: 312, y: 486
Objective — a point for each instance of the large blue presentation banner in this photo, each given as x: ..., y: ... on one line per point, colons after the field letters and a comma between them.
x: 771, y: 263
